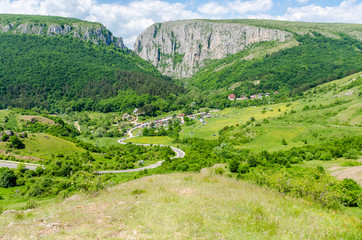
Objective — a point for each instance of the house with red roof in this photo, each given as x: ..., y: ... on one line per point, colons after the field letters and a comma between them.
x: 232, y: 97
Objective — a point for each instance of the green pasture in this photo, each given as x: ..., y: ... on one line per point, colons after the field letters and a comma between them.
x: 101, y: 141
x: 43, y: 146
x: 231, y: 116
x: 317, y: 116
x: 165, y: 140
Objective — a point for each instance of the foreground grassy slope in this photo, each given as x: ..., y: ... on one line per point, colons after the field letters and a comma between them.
x: 185, y: 206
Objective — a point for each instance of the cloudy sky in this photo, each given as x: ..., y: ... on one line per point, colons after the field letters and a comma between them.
x: 128, y: 18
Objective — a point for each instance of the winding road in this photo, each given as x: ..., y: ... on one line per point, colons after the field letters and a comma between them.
x: 12, y: 164
x: 179, y: 154
x: 32, y: 166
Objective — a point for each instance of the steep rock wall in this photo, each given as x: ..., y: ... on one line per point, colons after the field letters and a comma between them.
x: 180, y: 48
x: 90, y: 32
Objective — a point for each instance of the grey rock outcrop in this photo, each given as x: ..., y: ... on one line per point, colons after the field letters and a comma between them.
x: 90, y: 32
x: 180, y: 48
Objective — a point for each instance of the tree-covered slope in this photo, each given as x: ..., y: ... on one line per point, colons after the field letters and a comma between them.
x: 39, y: 71
x: 315, y: 60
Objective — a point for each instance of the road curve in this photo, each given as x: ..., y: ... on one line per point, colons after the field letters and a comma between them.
x: 179, y: 154
x: 32, y: 166
x: 12, y: 164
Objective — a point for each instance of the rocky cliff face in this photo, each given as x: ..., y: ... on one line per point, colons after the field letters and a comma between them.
x: 180, y: 48
x: 95, y: 33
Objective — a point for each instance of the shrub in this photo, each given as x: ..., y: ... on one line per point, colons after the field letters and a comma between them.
x: 7, y: 178
x: 351, y: 154
x: 326, y: 156
x: 4, y: 137
x: 284, y: 142
x: 219, y: 171
x: 16, y: 142
x: 351, y: 164
x: 234, y: 165
x: 31, y: 204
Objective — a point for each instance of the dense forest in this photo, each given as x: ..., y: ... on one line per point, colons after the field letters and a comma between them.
x: 39, y: 71
x: 316, y: 60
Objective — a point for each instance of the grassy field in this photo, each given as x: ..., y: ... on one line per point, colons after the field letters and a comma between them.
x: 101, y: 141
x: 184, y: 206
x: 330, y: 110
x: 43, y: 145
x: 227, y: 117
x: 154, y: 140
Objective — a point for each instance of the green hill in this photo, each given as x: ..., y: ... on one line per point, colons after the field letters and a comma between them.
x: 315, y: 60
x: 59, y: 71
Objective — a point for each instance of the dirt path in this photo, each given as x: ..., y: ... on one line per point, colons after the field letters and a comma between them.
x: 76, y: 124
x: 348, y: 172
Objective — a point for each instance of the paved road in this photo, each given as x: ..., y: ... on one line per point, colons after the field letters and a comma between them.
x: 179, y: 154
x: 11, y: 164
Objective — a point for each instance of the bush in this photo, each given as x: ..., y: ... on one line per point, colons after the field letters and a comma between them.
x: 351, y: 154
x: 31, y: 204
x: 325, y: 156
x: 7, y: 178
x: 16, y: 142
x: 351, y: 164
x: 234, y: 165
x: 4, y: 137
x: 219, y: 171
x: 284, y: 142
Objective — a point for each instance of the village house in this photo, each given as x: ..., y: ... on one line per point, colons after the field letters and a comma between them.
x: 232, y: 97
x: 136, y: 111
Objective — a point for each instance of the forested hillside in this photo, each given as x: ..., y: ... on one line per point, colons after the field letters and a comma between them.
x: 316, y: 60
x: 55, y: 72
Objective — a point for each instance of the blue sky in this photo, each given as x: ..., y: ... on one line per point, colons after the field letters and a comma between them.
x: 128, y: 18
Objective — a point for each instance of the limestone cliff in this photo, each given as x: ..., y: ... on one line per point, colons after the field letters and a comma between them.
x: 86, y: 31
x: 180, y: 48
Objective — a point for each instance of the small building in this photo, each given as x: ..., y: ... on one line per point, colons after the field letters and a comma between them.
x: 276, y: 92
x: 136, y: 111
x: 232, y: 97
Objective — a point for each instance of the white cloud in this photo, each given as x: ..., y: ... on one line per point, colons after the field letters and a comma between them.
x: 127, y: 20
x: 234, y: 8
x: 124, y: 20
x: 347, y: 11
x: 302, y: 1
x: 213, y: 9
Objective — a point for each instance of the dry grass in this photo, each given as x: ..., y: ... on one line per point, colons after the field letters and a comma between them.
x: 181, y: 206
